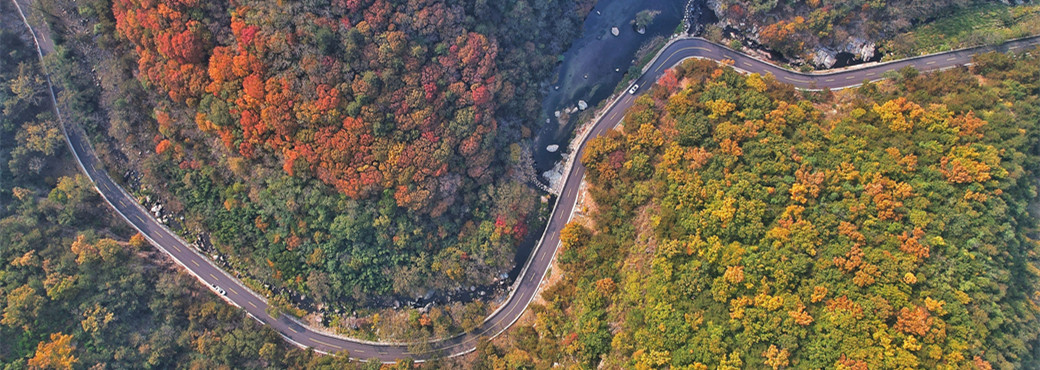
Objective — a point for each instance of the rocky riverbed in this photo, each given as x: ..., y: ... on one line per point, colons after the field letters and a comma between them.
x: 595, y: 63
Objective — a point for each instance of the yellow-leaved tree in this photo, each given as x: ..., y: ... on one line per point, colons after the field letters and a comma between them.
x: 56, y: 354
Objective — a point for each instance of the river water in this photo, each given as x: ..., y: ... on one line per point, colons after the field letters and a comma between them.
x: 596, y: 62
x: 586, y: 72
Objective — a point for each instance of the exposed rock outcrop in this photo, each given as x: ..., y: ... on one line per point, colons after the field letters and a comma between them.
x: 860, y: 48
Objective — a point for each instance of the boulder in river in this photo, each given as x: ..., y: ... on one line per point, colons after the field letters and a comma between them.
x: 552, y: 148
x: 615, y: 31
x: 582, y: 105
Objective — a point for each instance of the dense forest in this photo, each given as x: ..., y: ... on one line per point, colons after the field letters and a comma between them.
x: 355, y: 149
x: 739, y: 223
x: 899, y: 28
x: 352, y: 151
x: 78, y: 289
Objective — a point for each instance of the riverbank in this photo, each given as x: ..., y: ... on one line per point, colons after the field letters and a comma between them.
x: 596, y: 63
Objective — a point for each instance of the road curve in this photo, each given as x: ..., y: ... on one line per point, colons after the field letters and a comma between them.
x: 527, y: 284
x: 682, y: 49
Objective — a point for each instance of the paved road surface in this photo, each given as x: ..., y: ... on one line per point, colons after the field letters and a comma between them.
x: 527, y: 285
x: 699, y: 48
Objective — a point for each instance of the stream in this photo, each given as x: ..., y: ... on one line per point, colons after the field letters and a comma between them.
x: 589, y: 70
x: 595, y: 63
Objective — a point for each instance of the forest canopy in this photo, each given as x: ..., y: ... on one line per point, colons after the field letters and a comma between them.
x: 739, y: 223
x: 78, y: 289
x: 345, y: 150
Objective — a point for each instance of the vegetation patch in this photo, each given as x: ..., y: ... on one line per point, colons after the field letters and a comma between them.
x: 744, y: 224
x: 987, y: 24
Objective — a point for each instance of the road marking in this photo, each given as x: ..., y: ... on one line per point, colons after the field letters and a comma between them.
x: 829, y: 80
x: 107, y: 186
x: 214, y: 277
x: 796, y: 80
x: 232, y: 290
x: 176, y: 248
x: 360, y: 351
x: 327, y: 344
x: 748, y: 64
x: 294, y: 329
x: 476, y: 338
x: 679, y: 51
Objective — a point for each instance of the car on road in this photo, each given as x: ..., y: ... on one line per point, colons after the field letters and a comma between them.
x: 218, y: 290
x: 632, y: 90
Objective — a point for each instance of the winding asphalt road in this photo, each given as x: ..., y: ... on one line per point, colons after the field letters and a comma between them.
x: 527, y: 285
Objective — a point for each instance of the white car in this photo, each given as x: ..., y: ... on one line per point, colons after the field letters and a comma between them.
x: 632, y: 90
x: 219, y: 291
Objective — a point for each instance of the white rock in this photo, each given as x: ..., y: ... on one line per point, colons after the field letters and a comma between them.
x: 552, y: 148
x: 582, y: 105
x: 824, y: 57
x: 861, y: 48
x: 555, y: 175
x: 615, y: 31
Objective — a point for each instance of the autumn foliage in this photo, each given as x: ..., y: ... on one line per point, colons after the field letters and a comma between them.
x: 771, y: 228
x: 56, y: 354
x: 350, y: 147
x: 370, y: 116
x: 798, y: 29
x: 172, y: 46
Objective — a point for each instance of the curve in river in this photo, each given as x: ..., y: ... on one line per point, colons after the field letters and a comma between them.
x: 527, y: 284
